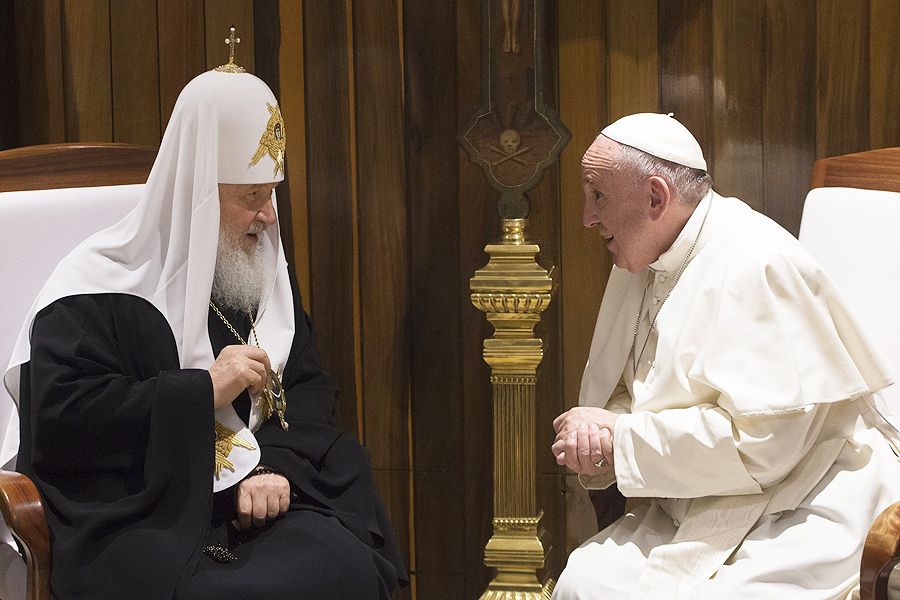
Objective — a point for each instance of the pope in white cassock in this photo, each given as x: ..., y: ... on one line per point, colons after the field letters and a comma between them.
x: 728, y: 393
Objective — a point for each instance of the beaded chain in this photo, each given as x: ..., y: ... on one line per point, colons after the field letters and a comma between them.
x: 637, y: 323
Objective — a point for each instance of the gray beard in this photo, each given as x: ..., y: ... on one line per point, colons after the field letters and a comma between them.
x: 238, y: 280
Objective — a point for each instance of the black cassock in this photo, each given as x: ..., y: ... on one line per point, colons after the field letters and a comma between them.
x: 120, y: 440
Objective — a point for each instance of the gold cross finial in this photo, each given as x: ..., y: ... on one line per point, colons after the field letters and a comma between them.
x: 231, y: 40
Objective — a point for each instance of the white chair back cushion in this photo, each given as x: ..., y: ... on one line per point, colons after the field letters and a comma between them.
x: 855, y: 235
x: 37, y: 229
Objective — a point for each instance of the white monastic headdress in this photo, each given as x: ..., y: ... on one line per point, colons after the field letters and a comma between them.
x: 226, y: 127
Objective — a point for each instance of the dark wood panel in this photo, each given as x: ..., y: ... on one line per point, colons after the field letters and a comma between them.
x: 884, y: 73
x: 440, y: 500
x: 383, y: 233
x: 633, y: 57
x: 330, y: 196
x: 135, y: 64
x: 685, y: 59
x: 436, y: 295
x: 9, y: 93
x: 440, y: 585
x: 842, y: 50
x: 544, y: 225
x: 479, y: 224
x: 585, y: 262
x: 86, y: 70
x: 394, y: 489
x: 182, y: 49
x: 219, y: 16
x: 586, y: 99
x: 291, y: 78
x: 874, y: 170
x: 789, y: 113
x: 737, y: 103
x: 40, y: 74
x: 74, y: 165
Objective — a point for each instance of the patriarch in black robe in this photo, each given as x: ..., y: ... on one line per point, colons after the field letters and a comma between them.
x: 174, y: 414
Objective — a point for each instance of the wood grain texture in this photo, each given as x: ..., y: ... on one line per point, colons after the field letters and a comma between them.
x: 73, y: 165
x: 86, y: 70
x: 383, y: 233
x: 479, y: 223
x: 585, y: 262
x: 219, y: 16
x: 293, y: 90
x: 842, y: 77
x: 393, y: 488
x: 23, y: 511
x: 880, y: 554
x: 873, y: 170
x: 330, y: 196
x: 685, y: 59
x: 543, y: 229
x: 135, y: 72
x: 434, y: 298
x: 632, y: 35
x: 884, y: 73
x: 440, y: 503
x: 382, y: 214
x: 9, y: 94
x: 182, y: 50
x: 737, y: 77
x: 39, y: 67
x: 789, y: 112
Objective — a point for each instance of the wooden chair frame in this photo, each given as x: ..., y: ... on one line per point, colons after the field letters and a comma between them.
x: 54, y: 166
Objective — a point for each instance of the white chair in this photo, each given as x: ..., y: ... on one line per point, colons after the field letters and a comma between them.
x: 46, y: 209
x: 850, y: 224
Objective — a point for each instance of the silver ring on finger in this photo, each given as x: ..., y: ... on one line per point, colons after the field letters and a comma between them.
x: 601, y: 463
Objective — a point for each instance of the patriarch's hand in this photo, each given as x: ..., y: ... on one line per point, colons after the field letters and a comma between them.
x: 236, y: 369
x: 261, y: 498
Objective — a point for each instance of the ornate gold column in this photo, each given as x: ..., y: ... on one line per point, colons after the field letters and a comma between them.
x: 514, y: 137
x: 513, y: 291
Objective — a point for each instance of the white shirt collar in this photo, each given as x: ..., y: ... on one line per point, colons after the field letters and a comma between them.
x: 670, y: 260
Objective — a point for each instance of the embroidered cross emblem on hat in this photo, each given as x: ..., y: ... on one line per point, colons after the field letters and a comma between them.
x: 272, y: 140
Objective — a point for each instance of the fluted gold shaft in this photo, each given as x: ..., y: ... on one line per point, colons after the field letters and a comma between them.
x: 513, y: 291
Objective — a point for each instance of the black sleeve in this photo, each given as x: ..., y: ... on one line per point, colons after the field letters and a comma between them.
x: 310, y: 398
x: 119, y: 441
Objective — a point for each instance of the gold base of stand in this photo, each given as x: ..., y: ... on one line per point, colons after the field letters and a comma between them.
x: 499, y: 591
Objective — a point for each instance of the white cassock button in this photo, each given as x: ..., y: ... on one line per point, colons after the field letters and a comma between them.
x: 655, y: 300
x: 661, y: 278
x: 676, y: 522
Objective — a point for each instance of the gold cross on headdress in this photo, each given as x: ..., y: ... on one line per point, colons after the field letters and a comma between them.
x: 231, y: 67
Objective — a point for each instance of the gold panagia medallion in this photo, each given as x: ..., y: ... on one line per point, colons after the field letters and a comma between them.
x: 272, y: 140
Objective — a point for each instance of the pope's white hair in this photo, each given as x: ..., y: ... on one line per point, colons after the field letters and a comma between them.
x: 690, y: 184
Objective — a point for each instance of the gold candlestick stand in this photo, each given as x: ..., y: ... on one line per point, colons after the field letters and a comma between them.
x: 513, y: 291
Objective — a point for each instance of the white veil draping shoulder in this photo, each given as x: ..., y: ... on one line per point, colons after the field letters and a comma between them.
x: 164, y: 250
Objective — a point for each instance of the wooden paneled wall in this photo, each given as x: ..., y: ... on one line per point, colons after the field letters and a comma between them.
x: 388, y: 218
x: 110, y: 71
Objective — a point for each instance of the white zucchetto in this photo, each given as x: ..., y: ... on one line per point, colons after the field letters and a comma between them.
x: 661, y: 135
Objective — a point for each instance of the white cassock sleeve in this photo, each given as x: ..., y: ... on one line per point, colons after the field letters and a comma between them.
x: 704, y: 451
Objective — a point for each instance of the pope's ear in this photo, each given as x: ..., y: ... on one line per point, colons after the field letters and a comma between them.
x: 660, y: 197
